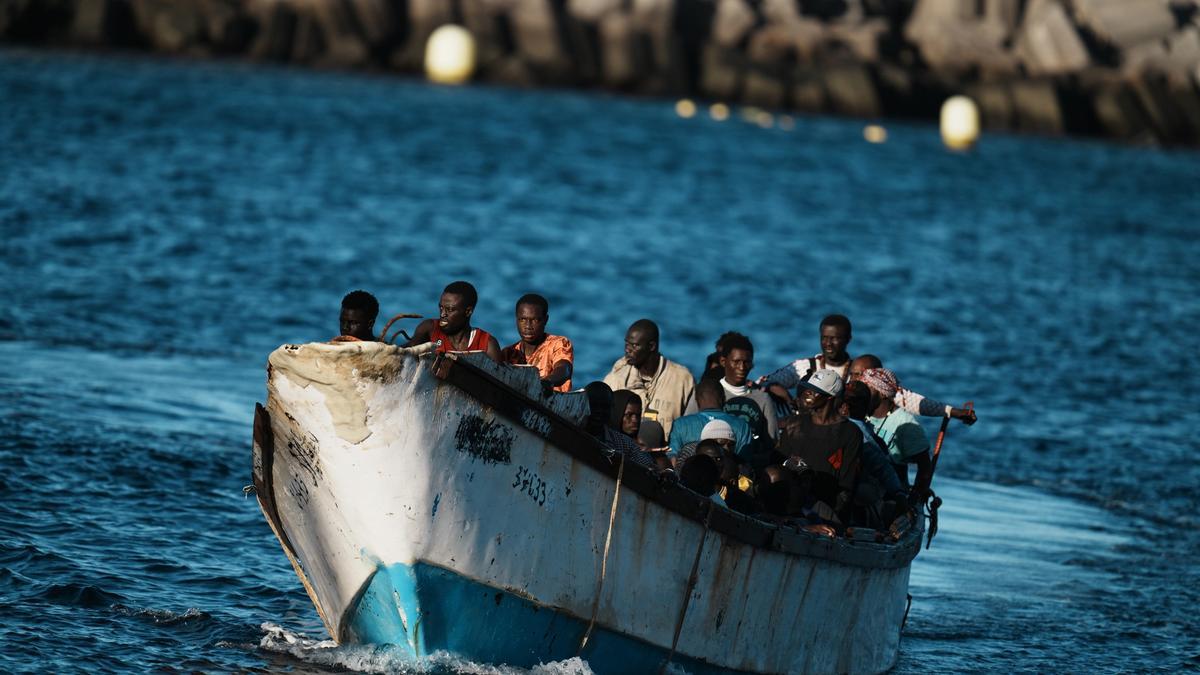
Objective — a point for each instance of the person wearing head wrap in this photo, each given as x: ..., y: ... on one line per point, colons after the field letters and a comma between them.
x: 626, y: 413
x: 899, y: 431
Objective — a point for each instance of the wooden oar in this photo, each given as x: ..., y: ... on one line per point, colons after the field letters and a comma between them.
x: 937, y: 448
x: 935, y: 501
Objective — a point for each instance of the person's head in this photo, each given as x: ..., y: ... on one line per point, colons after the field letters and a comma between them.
x: 456, y: 306
x: 651, y: 435
x: 747, y: 409
x: 600, y: 404
x: 860, y: 364
x: 359, y: 311
x: 626, y: 412
x: 709, y: 394
x: 821, y: 390
x: 882, y: 383
x: 533, y: 311
x: 712, y: 363
x: 835, y: 336
x: 857, y: 400
x: 719, y: 432
x: 722, y: 454
x: 700, y: 474
x: 737, y: 358
x: 641, y: 342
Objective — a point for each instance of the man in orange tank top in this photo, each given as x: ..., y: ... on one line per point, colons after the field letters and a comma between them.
x: 452, y: 331
x: 553, y: 355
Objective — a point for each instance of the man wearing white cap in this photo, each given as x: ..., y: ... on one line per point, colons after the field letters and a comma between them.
x: 690, y: 429
x: 824, y: 442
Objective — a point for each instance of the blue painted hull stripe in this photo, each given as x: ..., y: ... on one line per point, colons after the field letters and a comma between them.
x: 425, y: 608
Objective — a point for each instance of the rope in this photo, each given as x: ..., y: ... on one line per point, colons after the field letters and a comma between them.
x: 693, y: 578
x: 383, y: 335
x: 612, y: 518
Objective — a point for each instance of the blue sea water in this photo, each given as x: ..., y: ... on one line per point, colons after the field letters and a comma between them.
x: 166, y: 224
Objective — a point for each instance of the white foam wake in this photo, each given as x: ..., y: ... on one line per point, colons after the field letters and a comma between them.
x: 388, y: 659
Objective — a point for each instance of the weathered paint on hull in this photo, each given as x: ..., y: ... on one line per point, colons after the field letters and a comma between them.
x: 413, y: 485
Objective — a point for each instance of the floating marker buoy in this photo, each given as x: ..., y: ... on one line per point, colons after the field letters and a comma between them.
x: 685, y: 108
x: 960, y: 123
x: 787, y: 122
x: 875, y: 133
x: 450, y: 55
x: 764, y: 119
x: 719, y: 112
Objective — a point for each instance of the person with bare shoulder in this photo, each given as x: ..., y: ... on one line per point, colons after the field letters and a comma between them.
x: 452, y: 331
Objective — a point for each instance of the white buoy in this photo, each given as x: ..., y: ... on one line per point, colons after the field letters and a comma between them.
x: 450, y: 55
x: 960, y: 123
x: 875, y: 133
x: 685, y: 108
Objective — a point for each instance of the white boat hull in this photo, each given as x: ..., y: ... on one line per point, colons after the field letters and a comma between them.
x: 421, y: 514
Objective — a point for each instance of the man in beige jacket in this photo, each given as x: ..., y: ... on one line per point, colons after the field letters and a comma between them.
x: 664, y: 386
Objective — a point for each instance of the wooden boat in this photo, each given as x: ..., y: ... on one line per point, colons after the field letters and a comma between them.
x: 447, y: 503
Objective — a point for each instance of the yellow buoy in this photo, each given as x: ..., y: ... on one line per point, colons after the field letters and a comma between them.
x: 450, y: 55
x: 764, y: 119
x: 719, y: 112
x: 685, y: 108
x: 960, y: 123
x: 875, y: 133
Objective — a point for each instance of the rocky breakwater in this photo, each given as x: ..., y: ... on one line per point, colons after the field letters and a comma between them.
x: 1126, y: 69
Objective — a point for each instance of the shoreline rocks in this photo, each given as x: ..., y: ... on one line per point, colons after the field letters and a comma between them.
x: 1122, y: 69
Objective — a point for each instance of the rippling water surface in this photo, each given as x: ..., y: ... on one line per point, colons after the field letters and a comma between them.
x: 166, y: 225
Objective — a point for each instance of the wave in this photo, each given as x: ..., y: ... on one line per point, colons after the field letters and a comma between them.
x: 165, y: 617
x: 389, y: 659
x: 81, y: 595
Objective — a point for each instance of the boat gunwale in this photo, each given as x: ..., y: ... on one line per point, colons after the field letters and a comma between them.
x: 582, y: 446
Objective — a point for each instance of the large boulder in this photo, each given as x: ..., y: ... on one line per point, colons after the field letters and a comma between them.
x: 953, y: 37
x: 1036, y: 106
x: 720, y: 73
x: 538, y: 39
x: 852, y: 91
x: 732, y: 22
x: 593, y: 10
x: 1119, y: 112
x: 276, y: 24
x: 104, y: 23
x: 1125, y: 23
x: 1048, y: 43
x: 171, y: 27
x: 619, y: 62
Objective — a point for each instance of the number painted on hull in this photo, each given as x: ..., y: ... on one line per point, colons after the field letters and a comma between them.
x: 532, y: 485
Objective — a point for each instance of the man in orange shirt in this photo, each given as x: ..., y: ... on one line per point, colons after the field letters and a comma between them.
x: 553, y: 355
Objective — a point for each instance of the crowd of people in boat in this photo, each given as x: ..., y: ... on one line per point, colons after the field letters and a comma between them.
x: 825, y: 441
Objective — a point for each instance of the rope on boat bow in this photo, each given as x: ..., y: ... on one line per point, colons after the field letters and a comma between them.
x: 693, y: 578
x: 612, y: 519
